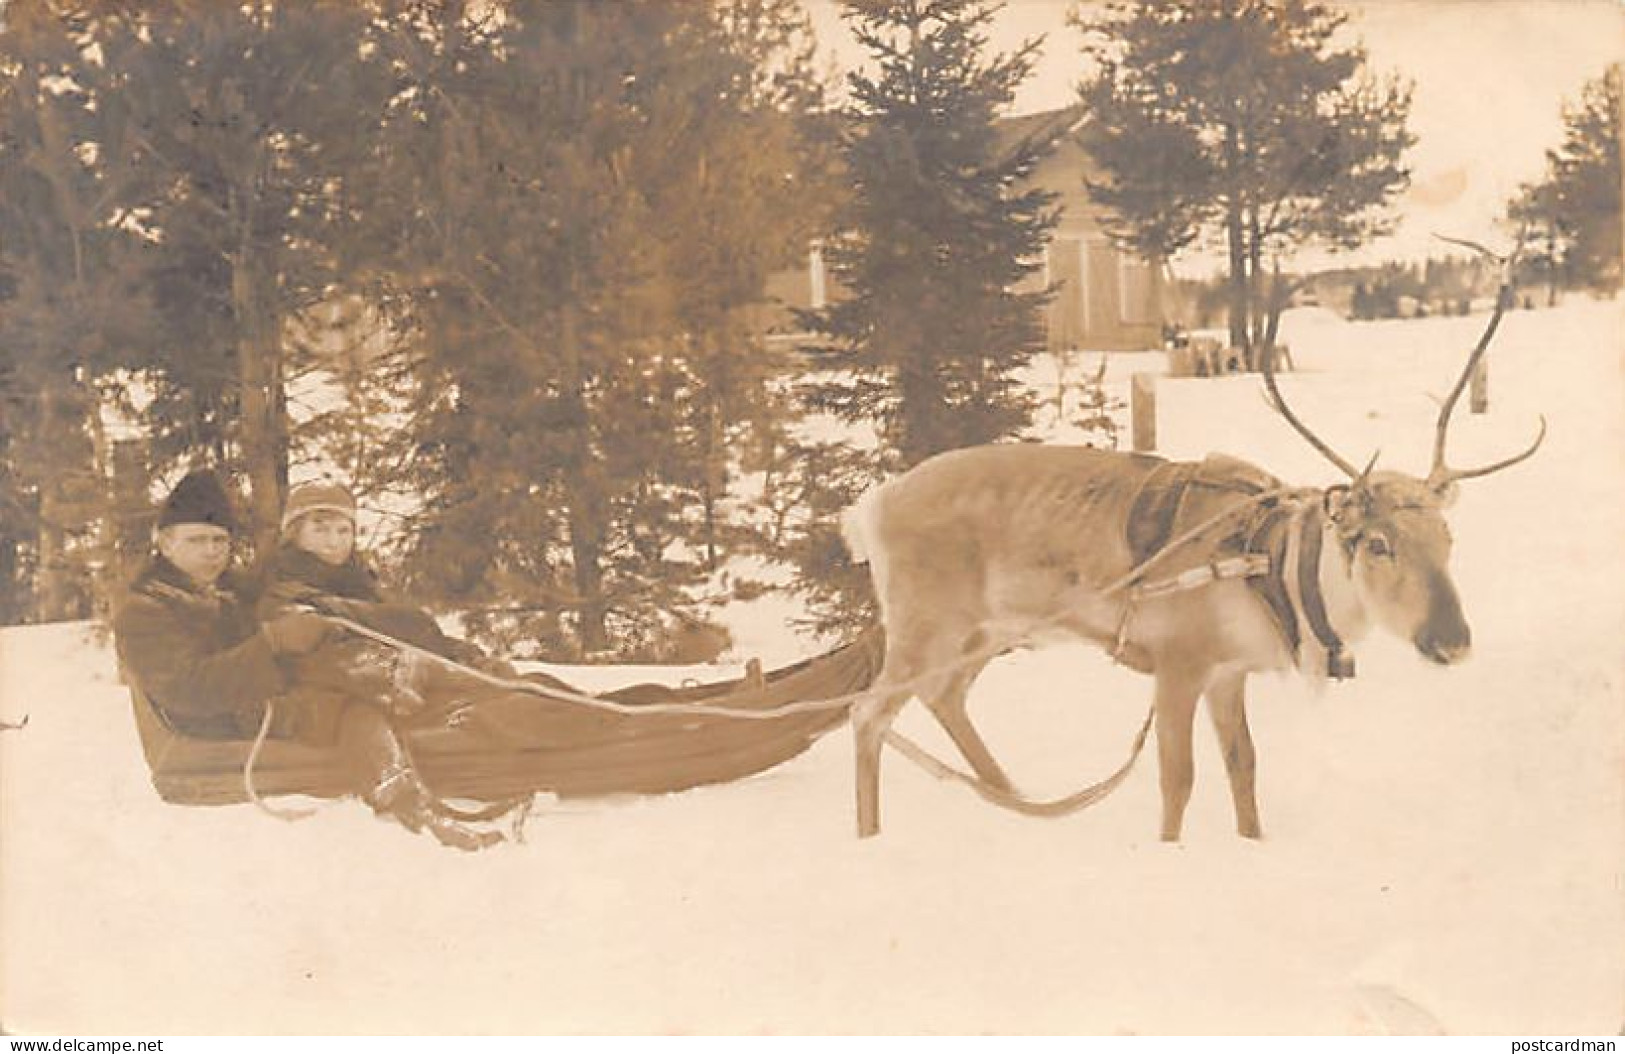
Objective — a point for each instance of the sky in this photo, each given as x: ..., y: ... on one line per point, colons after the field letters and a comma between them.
x: 1491, y: 78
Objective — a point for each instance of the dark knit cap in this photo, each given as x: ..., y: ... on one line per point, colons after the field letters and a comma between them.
x: 198, y: 498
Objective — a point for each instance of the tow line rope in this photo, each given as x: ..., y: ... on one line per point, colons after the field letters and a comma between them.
x: 908, y: 748
x: 490, y: 812
x: 286, y: 815
x: 1015, y: 802
x: 1186, y: 580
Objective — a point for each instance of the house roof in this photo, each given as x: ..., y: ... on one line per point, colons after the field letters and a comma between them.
x: 1040, y: 129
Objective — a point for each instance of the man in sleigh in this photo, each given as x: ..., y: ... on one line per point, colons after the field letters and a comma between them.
x: 311, y: 651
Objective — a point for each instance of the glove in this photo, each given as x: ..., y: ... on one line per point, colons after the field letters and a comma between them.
x: 297, y: 634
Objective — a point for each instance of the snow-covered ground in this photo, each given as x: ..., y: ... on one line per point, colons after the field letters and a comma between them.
x: 1444, y: 849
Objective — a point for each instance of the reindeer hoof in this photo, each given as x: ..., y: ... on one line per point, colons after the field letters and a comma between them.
x: 462, y: 836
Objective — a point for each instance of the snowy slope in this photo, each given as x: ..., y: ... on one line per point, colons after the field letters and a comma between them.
x: 1444, y: 848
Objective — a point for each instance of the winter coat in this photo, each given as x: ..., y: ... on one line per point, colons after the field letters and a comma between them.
x: 413, y: 692
x: 196, y: 652
x: 294, y: 578
x: 483, y: 740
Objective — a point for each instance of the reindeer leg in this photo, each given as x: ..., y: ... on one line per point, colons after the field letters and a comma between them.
x: 871, y: 717
x: 1227, y: 704
x: 917, y: 664
x: 1177, y: 692
x: 949, y: 709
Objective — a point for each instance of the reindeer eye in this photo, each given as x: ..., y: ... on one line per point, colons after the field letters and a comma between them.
x: 1377, y: 545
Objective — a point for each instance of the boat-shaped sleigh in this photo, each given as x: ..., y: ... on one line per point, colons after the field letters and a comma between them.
x: 548, y: 738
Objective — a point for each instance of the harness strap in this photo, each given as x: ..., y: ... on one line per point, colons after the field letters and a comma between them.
x: 1244, y: 565
x: 1072, y: 803
x: 1339, y: 664
x: 1270, y: 537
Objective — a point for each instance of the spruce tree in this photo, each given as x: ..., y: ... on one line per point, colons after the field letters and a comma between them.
x: 1577, y: 205
x: 591, y: 197
x: 1248, y: 119
x: 937, y: 233
x: 71, y: 309
x: 247, y: 122
x: 925, y: 333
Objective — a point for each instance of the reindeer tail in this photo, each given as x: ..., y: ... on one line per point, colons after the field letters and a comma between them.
x: 857, y: 526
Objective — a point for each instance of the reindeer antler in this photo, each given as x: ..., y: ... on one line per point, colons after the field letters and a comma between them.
x: 1451, y: 475
x: 1441, y: 474
x: 1278, y: 402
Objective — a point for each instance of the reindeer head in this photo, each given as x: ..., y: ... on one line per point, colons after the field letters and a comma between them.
x: 1397, y: 543
x: 1393, y: 531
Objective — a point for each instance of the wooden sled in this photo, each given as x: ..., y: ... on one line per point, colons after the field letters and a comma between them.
x: 545, y: 744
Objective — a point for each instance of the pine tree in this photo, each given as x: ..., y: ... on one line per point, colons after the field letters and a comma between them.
x: 1243, y: 118
x: 70, y: 308
x: 589, y: 199
x: 925, y: 334
x: 936, y: 235
x: 758, y: 187
x: 246, y: 122
x: 1577, y: 204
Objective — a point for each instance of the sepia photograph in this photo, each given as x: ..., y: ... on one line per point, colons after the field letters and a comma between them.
x: 812, y: 517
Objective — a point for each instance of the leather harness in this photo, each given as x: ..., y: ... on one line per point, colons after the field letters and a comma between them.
x: 1279, y: 544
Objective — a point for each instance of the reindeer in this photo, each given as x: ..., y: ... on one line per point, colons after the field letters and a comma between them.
x: 977, y: 551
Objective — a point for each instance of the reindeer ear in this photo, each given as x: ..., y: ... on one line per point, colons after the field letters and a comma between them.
x: 1342, y: 500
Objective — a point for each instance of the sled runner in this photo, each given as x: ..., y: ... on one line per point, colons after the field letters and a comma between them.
x: 537, y: 742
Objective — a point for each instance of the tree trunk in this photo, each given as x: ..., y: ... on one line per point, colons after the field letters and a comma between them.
x: 1238, y: 277
x: 104, y: 577
x: 53, y: 593
x: 1255, y: 300
x: 588, y: 514
x: 715, y: 483
x: 920, y: 393
x: 586, y: 554
x: 1551, y: 266
x: 131, y: 481
x: 11, y: 600
x: 1235, y: 237
x: 716, y: 452
x: 260, y: 397
x: 1280, y: 294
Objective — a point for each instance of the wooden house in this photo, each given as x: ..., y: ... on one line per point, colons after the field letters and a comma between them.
x: 1107, y: 299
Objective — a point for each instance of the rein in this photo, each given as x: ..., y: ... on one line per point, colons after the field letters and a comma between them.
x: 1236, y: 567
x: 285, y: 815
x: 1090, y: 795
x: 1299, y: 572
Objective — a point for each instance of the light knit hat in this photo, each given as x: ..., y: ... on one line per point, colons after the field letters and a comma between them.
x: 317, y: 497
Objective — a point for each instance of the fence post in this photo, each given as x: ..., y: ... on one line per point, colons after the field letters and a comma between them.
x: 1143, y: 410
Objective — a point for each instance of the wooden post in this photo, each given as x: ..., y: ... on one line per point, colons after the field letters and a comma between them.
x: 1143, y: 410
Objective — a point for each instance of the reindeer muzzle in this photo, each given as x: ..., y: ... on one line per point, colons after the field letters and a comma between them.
x: 1446, y: 648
